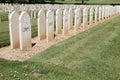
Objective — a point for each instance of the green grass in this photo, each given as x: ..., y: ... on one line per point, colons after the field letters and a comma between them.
x: 88, y: 1
x: 103, y: 1
x: 4, y: 16
x: 91, y: 55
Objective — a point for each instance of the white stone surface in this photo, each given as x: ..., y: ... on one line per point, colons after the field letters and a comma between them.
x: 25, y: 31
x: 100, y: 14
x: 96, y: 14
x: 50, y: 26
x: 65, y: 21
x: 58, y: 21
x: 91, y: 16
x: 85, y: 17
x: 41, y: 25
x: 77, y: 19
x: 70, y: 19
x: 14, y: 29
x: 103, y: 12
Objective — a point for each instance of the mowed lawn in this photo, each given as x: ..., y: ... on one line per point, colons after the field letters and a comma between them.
x: 103, y: 1
x: 91, y: 55
x: 89, y: 1
x: 4, y: 32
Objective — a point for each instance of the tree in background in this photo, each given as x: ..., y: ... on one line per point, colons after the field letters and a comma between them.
x: 42, y: 1
x: 3, y: 1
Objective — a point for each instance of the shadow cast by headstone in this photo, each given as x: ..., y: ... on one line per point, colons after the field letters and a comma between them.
x: 33, y: 44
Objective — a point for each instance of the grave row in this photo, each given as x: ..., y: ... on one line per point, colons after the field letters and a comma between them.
x: 36, y: 7
x: 65, y: 20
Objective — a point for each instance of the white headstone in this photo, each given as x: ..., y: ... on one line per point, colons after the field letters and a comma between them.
x: 41, y: 25
x: 103, y: 12
x: 65, y: 21
x: 91, y: 16
x: 50, y: 26
x: 77, y: 19
x: 100, y: 13
x: 14, y: 29
x: 85, y: 18
x: 25, y: 31
x: 70, y: 19
x: 96, y: 14
x: 58, y: 21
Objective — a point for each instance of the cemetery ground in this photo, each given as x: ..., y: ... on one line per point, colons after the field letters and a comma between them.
x: 91, y: 55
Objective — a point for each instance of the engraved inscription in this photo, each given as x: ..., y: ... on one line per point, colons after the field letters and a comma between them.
x: 26, y: 29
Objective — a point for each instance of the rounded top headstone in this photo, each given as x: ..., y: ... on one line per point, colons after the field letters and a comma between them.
x: 41, y: 12
x: 25, y: 19
x: 13, y: 16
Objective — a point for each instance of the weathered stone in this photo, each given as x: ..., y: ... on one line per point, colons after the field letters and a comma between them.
x: 77, y: 19
x: 70, y: 19
x: 41, y: 25
x: 85, y: 18
x: 96, y: 14
x: 100, y: 14
x: 50, y: 26
x: 25, y: 31
x: 14, y: 29
x: 58, y: 21
x: 91, y: 16
x: 65, y: 21
x: 103, y: 12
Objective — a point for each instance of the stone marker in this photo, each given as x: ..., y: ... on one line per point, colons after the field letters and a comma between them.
x: 70, y: 19
x: 25, y: 31
x: 65, y: 21
x: 91, y: 16
x: 106, y: 12
x: 14, y: 29
x: 41, y: 25
x: 85, y: 18
x: 50, y: 26
x: 96, y: 14
x: 103, y: 12
x: 77, y: 19
x: 58, y: 21
x: 100, y: 15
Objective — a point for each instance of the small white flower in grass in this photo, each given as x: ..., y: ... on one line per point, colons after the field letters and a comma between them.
x: 1, y: 75
x: 26, y: 74
x: 14, y: 76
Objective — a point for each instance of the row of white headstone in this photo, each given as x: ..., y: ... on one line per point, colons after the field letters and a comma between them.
x: 20, y: 26
x: 37, y: 7
x: 33, y: 7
